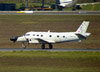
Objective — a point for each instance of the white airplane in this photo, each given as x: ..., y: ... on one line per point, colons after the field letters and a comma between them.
x: 71, y: 3
x: 53, y: 37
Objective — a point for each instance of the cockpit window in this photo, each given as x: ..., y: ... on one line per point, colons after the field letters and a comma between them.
x: 27, y: 34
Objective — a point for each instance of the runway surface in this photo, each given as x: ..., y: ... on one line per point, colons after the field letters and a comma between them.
x: 52, y: 13
x: 52, y: 50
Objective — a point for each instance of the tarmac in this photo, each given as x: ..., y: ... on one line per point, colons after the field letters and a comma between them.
x: 51, y: 13
x: 52, y: 50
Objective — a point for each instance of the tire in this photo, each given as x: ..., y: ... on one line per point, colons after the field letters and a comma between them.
x: 50, y: 46
x: 43, y: 46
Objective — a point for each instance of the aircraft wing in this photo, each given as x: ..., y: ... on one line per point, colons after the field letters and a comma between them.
x: 44, y: 40
x: 88, y: 3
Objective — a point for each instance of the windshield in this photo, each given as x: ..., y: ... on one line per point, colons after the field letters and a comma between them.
x: 27, y: 35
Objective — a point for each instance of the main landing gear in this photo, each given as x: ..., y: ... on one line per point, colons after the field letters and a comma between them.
x: 43, y: 46
x: 50, y: 46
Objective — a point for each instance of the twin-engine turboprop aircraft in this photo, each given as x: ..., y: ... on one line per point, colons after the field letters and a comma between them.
x: 53, y: 37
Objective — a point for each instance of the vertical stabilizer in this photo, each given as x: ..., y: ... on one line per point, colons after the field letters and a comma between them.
x: 83, y: 28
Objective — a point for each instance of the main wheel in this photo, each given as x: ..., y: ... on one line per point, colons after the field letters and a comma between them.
x: 43, y: 46
x: 50, y: 46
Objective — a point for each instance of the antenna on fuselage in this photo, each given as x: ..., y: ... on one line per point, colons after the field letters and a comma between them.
x: 48, y: 31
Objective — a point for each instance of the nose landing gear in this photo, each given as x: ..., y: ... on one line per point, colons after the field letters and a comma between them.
x: 23, y: 45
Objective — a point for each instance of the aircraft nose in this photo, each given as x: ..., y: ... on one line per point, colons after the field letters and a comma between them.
x: 14, y: 39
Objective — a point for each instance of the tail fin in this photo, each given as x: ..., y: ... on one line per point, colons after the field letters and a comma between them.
x: 83, y: 28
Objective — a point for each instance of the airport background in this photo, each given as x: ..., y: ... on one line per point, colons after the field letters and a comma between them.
x: 45, y: 1
x: 17, y: 5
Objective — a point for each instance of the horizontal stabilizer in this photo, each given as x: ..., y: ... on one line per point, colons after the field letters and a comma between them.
x: 81, y: 36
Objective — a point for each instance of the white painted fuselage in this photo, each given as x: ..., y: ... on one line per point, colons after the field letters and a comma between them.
x: 50, y: 37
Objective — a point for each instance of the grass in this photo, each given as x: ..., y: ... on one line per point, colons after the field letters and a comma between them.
x: 38, y: 69
x: 44, y: 54
x: 92, y: 7
x: 43, y: 61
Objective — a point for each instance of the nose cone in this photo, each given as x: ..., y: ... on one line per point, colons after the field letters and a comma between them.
x: 14, y: 39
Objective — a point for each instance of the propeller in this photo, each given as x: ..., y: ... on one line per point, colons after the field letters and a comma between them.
x: 14, y: 39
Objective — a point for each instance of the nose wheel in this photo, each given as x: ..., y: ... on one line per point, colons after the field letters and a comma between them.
x: 23, y: 45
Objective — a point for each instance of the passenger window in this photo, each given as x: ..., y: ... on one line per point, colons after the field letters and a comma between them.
x: 50, y: 35
x: 41, y: 35
x: 57, y: 35
x: 33, y: 34
x: 37, y: 35
x: 63, y: 36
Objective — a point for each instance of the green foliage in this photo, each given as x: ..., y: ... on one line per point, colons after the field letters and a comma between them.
x: 87, y: 7
x: 44, y: 61
x: 50, y: 54
x: 92, y: 7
